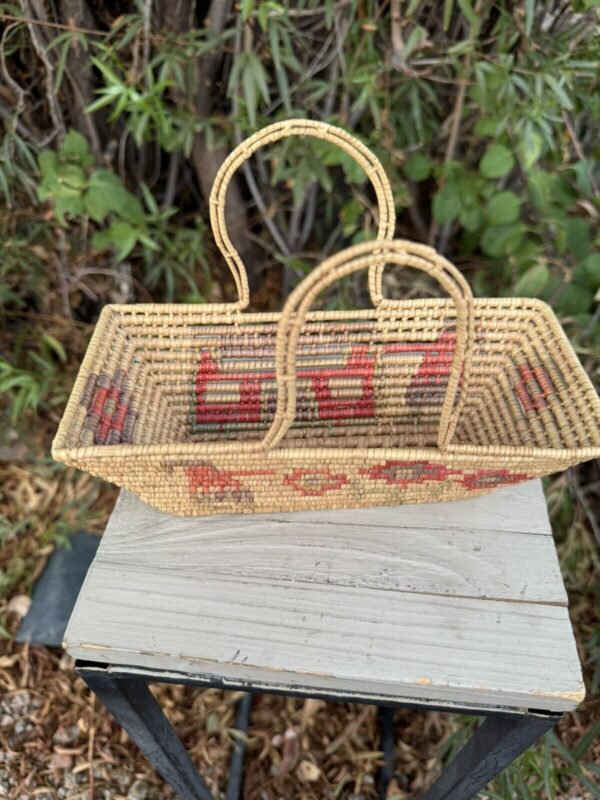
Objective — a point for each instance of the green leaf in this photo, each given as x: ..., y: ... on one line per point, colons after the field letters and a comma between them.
x: 471, y: 219
x: 246, y: 8
x: 529, y: 16
x: 530, y: 147
x: 55, y: 346
x: 503, y: 208
x: 106, y: 194
x: 446, y: 203
x: 486, y: 126
x: 497, y: 161
x: 539, y: 184
x: 353, y: 171
x: 75, y: 145
x: 590, y: 268
x: 124, y: 237
x: 578, y: 237
x: 531, y: 283
x: 574, y: 299
x: 350, y: 215
x: 471, y: 16
x: 416, y: 38
x: 107, y: 97
x: 557, y: 87
x: 502, y: 240
x: 418, y: 168
x: 70, y: 179
x: 47, y: 162
x: 101, y: 240
x: 447, y: 14
x: 68, y: 205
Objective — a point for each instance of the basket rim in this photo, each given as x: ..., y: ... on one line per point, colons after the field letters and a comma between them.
x: 199, y: 449
x: 227, y: 313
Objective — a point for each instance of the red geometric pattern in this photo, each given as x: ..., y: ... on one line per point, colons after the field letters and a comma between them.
x: 209, y: 483
x: 249, y: 408
x: 490, y: 478
x: 433, y: 370
x: 534, y: 388
x: 205, y: 479
x: 403, y: 473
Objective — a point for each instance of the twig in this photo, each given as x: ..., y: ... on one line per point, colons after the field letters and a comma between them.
x: 453, y: 138
x: 78, y: 71
x: 247, y: 171
x: 27, y: 20
x: 172, y: 175
x: 17, y: 89
x: 308, y: 208
x: 396, y: 28
x: 320, y: 62
x: 40, y: 49
x: 147, y: 24
x: 61, y: 272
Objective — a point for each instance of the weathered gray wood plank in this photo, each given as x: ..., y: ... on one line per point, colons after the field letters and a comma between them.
x: 456, y: 603
x: 470, y: 563
x: 485, y: 651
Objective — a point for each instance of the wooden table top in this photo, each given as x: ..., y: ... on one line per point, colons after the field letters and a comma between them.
x: 457, y: 604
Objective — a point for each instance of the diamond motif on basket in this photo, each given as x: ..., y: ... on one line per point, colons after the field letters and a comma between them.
x: 489, y: 478
x: 403, y: 473
x: 314, y: 482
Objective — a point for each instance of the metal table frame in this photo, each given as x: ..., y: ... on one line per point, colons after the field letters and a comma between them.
x: 498, y: 741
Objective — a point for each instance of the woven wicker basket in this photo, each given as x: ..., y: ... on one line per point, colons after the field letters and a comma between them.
x: 205, y: 410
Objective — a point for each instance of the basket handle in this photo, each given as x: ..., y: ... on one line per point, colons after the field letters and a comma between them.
x: 272, y: 133
x: 354, y: 259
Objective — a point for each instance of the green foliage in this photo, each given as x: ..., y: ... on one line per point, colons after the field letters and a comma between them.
x: 78, y: 189
x: 69, y: 179
x: 37, y: 381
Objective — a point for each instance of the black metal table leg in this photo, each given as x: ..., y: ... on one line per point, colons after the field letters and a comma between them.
x: 236, y: 767
x: 136, y: 710
x: 386, y: 733
x: 493, y: 746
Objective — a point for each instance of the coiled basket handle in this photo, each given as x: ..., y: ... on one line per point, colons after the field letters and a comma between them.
x: 272, y: 133
x: 354, y: 259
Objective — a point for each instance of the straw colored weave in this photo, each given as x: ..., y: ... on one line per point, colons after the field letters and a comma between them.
x: 204, y: 410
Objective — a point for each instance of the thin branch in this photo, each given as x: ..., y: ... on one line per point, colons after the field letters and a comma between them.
x: 172, y: 175
x: 61, y: 272
x: 453, y: 140
x: 28, y: 20
x: 40, y: 48
x: 147, y: 23
x: 322, y: 60
x: 246, y: 169
x: 396, y: 29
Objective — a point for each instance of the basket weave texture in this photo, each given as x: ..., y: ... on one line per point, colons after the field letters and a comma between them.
x: 207, y: 410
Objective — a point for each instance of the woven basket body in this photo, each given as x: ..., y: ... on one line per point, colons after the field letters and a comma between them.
x: 204, y: 410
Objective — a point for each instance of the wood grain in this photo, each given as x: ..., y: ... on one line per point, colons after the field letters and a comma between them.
x: 453, y: 603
